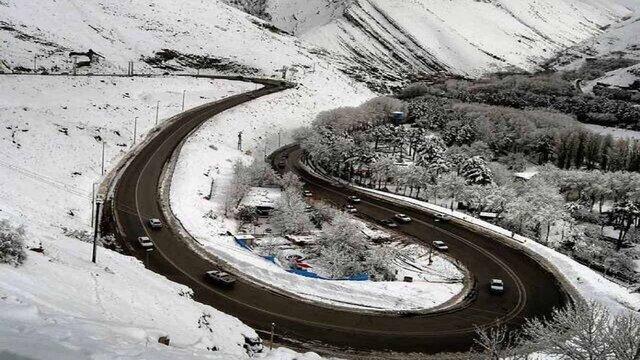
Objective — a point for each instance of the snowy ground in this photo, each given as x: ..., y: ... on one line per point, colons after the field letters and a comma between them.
x: 213, y: 150
x: 59, y: 300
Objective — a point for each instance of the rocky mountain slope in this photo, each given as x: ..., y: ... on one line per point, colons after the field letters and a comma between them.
x: 469, y: 37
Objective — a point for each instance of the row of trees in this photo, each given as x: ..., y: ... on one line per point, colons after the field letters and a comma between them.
x: 586, y: 331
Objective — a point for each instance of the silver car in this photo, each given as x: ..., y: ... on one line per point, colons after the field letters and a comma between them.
x: 145, y: 242
x: 440, y: 245
x: 155, y: 223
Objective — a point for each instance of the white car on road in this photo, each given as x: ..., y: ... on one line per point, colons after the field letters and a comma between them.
x: 402, y: 218
x: 145, y: 242
x: 155, y: 223
x: 440, y: 245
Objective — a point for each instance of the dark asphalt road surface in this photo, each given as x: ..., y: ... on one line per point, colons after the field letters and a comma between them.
x: 530, y: 290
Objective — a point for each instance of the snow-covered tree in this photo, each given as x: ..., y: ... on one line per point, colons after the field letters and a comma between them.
x: 11, y: 244
x: 586, y: 331
x: 289, y: 180
x: 289, y: 215
x: 476, y: 171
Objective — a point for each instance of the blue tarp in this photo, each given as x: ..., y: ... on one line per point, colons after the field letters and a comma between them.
x: 243, y: 243
x: 309, y: 274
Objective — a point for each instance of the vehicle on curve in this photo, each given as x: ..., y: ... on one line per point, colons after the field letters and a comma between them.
x: 389, y: 223
x: 441, y: 217
x: 496, y: 286
x: 155, y: 223
x: 350, y: 209
x: 307, y: 193
x: 220, y: 278
x: 402, y: 218
x: 440, y: 245
x: 354, y: 199
x: 145, y: 242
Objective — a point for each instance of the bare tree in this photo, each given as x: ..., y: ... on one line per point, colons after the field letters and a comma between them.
x: 498, y: 343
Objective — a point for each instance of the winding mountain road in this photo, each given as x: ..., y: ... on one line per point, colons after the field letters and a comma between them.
x: 531, y: 290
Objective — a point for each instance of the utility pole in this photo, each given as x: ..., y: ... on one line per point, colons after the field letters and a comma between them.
x: 93, y: 200
x: 213, y: 181
x: 273, y: 327
x: 279, y: 139
x: 157, y: 111
x: 184, y: 92
x: 75, y: 59
x: 102, y: 172
x: 35, y: 67
x: 96, y: 226
x: 240, y: 141
x: 135, y: 130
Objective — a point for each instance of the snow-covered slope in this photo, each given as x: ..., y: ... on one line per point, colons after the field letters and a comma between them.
x: 462, y: 36
x: 50, y: 149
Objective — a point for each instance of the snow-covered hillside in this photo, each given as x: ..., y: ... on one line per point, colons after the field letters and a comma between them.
x: 51, y: 151
x: 461, y: 36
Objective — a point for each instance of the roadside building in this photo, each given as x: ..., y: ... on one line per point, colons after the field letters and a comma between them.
x: 261, y: 199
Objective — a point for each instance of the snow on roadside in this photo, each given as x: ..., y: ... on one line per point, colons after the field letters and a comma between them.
x: 590, y: 284
x: 59, y: 300
x: 213, y: 150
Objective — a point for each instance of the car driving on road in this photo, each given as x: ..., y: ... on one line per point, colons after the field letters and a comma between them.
x: 350, y: 209
x: 440, y: 245
x: 145, y: 242
x: 496, y: 286
x: 155, y: 223
x: 354, y: 199
x: 402, y: 218
x: 220, y: 278
x: 389, y: 223
x: 441, y: 217
x: 307, y: 193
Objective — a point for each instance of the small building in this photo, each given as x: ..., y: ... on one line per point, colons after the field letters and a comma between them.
x: 488, y: 215
x: 245, y: 240
x: 262, y: 199
x: 525, y: 175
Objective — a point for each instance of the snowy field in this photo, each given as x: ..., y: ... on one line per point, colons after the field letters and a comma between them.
x: 50, y: 159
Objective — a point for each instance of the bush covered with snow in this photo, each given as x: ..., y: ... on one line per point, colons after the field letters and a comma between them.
x: 11, y: 244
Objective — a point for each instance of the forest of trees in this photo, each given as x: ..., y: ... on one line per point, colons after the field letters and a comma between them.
x: 468, y: 153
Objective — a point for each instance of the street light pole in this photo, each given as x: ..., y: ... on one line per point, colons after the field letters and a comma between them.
x: 135, y: 130
x: 184, y: 93
x: 102, y: 171
x: 273, y: 327
x: 157, y: 111
x: 96, y: 226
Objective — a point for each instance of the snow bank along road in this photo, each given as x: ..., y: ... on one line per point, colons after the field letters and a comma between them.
x: 531, y: 290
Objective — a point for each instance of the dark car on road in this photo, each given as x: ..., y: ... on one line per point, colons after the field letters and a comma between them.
x: 354, y: 200
x: 496, y: 286
x: 220, y: 278
x: 389, y: 223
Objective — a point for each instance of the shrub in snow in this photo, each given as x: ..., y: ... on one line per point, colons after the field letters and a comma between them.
x: 11, y: 244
